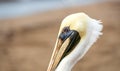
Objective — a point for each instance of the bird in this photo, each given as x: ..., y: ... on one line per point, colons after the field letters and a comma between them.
x: 77, y: 33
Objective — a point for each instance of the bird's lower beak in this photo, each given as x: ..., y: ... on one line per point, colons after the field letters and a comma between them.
x: 63, y: 47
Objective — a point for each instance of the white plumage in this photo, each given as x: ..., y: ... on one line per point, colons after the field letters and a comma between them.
x: 89, y: 30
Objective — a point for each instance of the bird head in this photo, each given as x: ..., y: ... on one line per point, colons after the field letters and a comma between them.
x: 73, y: 32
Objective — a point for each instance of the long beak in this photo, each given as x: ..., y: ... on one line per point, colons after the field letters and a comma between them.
x: 63, y: 47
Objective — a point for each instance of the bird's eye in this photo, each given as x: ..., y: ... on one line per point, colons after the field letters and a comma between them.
x: 66, y: 29
x: 65, y: 33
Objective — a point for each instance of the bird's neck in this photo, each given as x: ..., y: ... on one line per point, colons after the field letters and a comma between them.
x: 64, y: 65
x: 69, y: 61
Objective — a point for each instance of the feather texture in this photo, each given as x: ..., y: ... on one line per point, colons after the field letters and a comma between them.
x: 90, y: 30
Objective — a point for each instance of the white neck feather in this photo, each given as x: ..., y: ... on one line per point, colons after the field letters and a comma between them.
x: 93, y: 31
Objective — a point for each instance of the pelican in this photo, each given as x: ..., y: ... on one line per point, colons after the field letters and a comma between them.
x: 76, y: 35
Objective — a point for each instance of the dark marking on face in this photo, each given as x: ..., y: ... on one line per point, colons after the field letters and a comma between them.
x: 74, y: 37
x: 65, y: 34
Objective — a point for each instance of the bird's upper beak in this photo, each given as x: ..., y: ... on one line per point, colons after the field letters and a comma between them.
x: 65, y: 43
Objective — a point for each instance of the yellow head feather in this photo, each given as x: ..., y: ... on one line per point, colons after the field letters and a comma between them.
x: 76, y: 22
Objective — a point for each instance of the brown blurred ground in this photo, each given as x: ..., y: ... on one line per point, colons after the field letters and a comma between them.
x: 26, y: 43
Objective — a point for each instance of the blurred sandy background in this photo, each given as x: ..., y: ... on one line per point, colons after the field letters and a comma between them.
x: 26, y: 42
